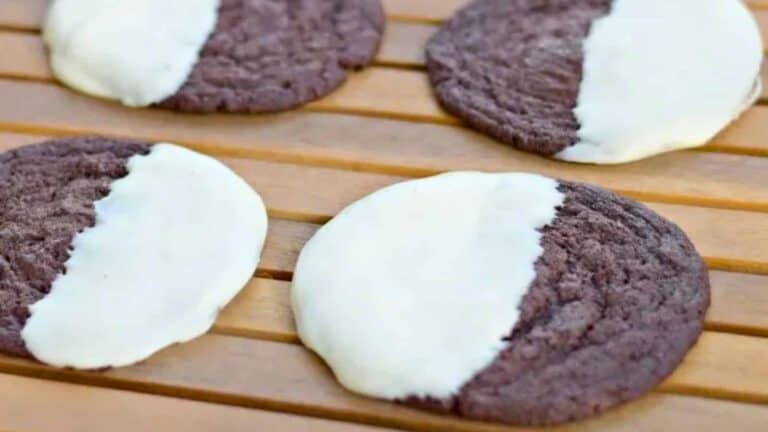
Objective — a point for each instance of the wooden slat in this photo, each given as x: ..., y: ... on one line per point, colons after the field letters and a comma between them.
x: 433, y: 11
x: 262, y: 310
x: 284, y: 242
x: 403, y: 46
x: 23, y: 56
x: 404, y: 43
x: 22, y: 14
x: 374, y: 91
x: 285, y: 377
x: 386, y: 92
x: 739, y: 303
x: 725, y: 237
x: 746, y: 135
x: 33, y: 405
x: 391, y: 146
x: 735, y: 363
x: 728, y: 239
x: 401, y: 94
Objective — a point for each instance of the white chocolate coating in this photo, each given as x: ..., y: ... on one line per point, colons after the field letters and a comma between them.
x: 138, y: 51
x: 661, y: 75
x: 410, y: 290
x: 174, y: 241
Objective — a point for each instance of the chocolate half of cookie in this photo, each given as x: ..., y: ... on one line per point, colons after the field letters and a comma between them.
x: 600, y: 81
x: 212, y: 55
x: 500, y: 297
x: 111, y: 250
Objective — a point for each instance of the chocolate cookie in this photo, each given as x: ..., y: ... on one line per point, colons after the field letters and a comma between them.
x: 619, y: 297
x: 557, y: 78
x: 96, y: 234
x: 47, y: 193
x: 268, y: 55
x: 217, y: 55
x: 593, y: 298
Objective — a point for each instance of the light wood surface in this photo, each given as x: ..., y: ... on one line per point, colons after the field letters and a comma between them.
x: 286, y: 377
x: 44, y: 406
x: 382, y: 127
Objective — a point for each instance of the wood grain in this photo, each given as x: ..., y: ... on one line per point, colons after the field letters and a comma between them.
x: 288, y: 378
x: 28, y: 405
x: 360, y: 143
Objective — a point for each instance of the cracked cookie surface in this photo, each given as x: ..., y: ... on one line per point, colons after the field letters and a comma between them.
x: 618, y: 299
x: 269, y: 55
x: 47, y: 192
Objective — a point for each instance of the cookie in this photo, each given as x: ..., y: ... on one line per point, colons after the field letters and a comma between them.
x: 598, y: 81
x: 111, y: 250
x: 212, y: 55
x: 511, y: 298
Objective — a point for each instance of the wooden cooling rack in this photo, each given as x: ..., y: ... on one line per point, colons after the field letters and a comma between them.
x: 382, y: 127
